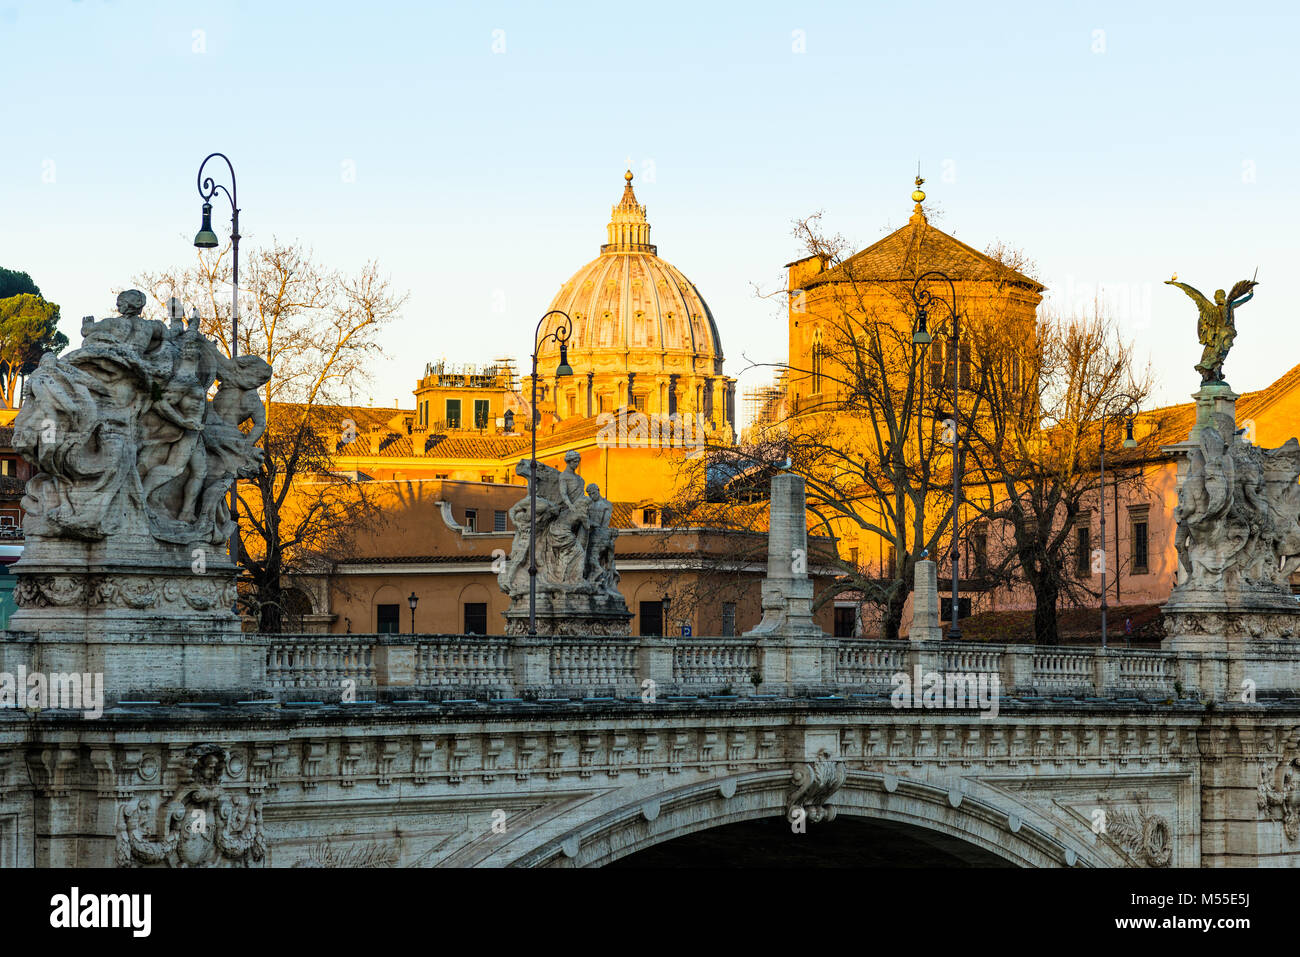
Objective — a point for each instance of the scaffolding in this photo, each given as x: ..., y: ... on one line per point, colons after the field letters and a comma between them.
x: 763, y: 405
x: 500, y: 374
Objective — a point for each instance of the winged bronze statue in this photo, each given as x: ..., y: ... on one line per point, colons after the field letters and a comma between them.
x: 1216, y: 325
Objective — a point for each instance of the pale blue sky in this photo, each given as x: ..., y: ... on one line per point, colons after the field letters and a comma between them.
x: 1114, y: 142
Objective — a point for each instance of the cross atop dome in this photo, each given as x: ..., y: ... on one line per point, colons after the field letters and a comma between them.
x: 628, y: 230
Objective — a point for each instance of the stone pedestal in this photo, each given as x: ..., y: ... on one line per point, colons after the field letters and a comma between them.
x: 157, y: 620
x: 73, y: 586
x: 1238, y: 530
x: 787, y: 591
x: 570, y: 613
x: 1216, y: 406
x: 925, y: 604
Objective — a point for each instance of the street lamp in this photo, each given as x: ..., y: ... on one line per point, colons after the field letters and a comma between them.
x: 561, y: 334
x: 1129, y: 443
x: 207, y: 239
x: 413, y: 601
x: 923, y: 299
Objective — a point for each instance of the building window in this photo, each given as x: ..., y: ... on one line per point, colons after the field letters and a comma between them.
x: 476, y: 618
x: 600, y: 403
x: 728, y: 619
x: 846, y: 621
x: 1083, y: 547
x: 471, y: 519
x: 817, y: 362
x: 936, y: 366
x: 7, y: 468
x: 480, y: 413
x: 498, y: 521
x: 652, y: 618
x: 941, y: 365
x: 650, y: 516
x: 1138, y: 534
x: 453, y: 413
x: 388, y: 619
x: 853, y: 557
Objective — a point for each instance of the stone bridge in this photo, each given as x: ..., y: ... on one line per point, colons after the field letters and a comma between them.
x: 139, y: 727
x: 486, y: 751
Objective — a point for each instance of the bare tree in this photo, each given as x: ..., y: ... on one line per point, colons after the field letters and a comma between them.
x: 318, y: 328
x: 1031, y: 471
x: 871, y: 464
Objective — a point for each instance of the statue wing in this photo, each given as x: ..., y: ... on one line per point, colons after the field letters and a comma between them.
x: 1208, y: 311
x: 1241, y: 289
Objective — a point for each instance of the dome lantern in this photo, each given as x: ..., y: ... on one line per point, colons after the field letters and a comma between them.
x: 628, y: 230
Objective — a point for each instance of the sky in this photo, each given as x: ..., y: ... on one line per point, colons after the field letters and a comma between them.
x: 475, y: 150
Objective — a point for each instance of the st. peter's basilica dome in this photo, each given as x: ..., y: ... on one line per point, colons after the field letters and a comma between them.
x: 643, y: 336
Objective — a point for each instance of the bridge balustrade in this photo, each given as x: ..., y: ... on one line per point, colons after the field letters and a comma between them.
x: 494, y: 666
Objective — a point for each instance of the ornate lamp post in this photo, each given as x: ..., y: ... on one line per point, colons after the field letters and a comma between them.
x: 413, y: 601
x: 207, y: 239
x: 1129, y: 443
x: 923, y: 300
x: 561, y: 334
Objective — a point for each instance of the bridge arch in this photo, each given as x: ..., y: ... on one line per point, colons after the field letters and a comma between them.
x: 977, y: 818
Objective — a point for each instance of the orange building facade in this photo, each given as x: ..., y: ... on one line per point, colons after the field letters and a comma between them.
x: 444, y: 541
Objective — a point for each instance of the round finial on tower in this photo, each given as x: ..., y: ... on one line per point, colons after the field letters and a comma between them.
x: 918, y: 196
x: 628, y: 176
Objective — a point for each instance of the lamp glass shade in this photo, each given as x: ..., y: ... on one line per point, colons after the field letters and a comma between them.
x: 413, y: 601
x: 921, y: 337
x: 1129, y: 441
x: 563, y: 370
x: 206, y: 238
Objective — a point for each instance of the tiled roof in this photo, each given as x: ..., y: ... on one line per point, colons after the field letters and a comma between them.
x: 916, y: 248
x: 446, y: 446
x: 396, y: 442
